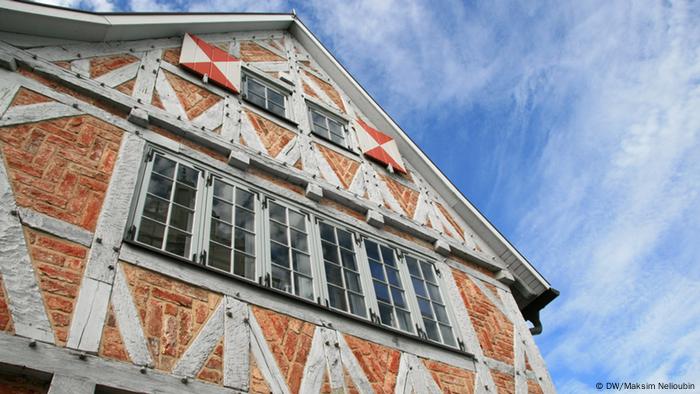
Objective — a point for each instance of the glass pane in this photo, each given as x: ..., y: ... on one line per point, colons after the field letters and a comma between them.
x: 348, y: 259
x: 280, y: 279
x: 187, y: 175
x: 377, y: 270
x: 244, y: 265
x: 319, y: 130
x: 184, y: 195
x: 278, y: 233
x: 357, y: 305
x: 340, y: 140
x: 352, y: 281
x: 275, y: 97
x: 431, y: 329
x: 257, y: 99
x: 160, y: 186
x: 327, y: 232
x: 386, y: 315
x: 345, y: 239
x: 301, y: 262
x: 280, y: 254
x: 447, y: 336
x: 441, y: 313
x: 223, y: 190
x: 151, y: 233
x: 427, y: 271
x: 404, y: 320
x: 181, y: 218
x: 164, y: 166
x: 219, y: 257
x: 318, y: 119
x: 255, y: 87
x: 393, y: 276
x: 245, y: 199
x: 413, y: 266
x: 277, y: 213
x: 276, y: 109
x: 335, y: 127
x: 221, y: 210
x: 388, y: 256
x: 425, y: 308
x: 178, y: 242
x: 298, y: 240
x: 371, y: 249
x: 330, y: 252
x: 434, y: 292
x: 297, y: 220
x: 221, y: 232
x: 244, y: 241
x: 398, y: 297
x: 304, y: 287
x: 155, y: 208
x: 333, y: 274
x: 245, y: 219
x: 336, y: 297
x: 419, y: 287
x: 382, y: 291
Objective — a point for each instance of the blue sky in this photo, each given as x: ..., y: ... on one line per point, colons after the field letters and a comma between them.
x: 574, y: 127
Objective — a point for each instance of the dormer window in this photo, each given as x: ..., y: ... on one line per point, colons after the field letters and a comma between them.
x: 265, y: 96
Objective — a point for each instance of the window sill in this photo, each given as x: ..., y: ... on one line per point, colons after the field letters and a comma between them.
x: 267, y: 112
x: 292, y: 300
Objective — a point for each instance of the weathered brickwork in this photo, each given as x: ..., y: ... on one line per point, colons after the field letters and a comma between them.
x: 350, y: 387
x: 62, y: 167
x: 451, y: 380
x: 193, y: 99
x: 276, y: 180
x: 102, y: 65
x: 59, y: 266
x: 112, y: 343
x: 453, y: 222
x: 493, y: 328
x: 171, y: 55
x: 344, y: 167
x: 505, y: 384
x: 213, y: 369
x: 171, y: 312
x: 329, y: 90
x: 289, y: 340
x: 252, y: 52
x: 127, y: 87
x: 257, y: 382
x: 342, y: 208
x: 184, y: 141
x: 273, y: 136
x: 22, y: 385
x: 406, y: 197
x: 25, y: 96
x: 379, y: 363
x: 533, y: 387
x: 309, y: 90
x: 5, y: 316
x: 473, y: 266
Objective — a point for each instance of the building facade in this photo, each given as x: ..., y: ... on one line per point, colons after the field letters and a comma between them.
x: 210, y: 203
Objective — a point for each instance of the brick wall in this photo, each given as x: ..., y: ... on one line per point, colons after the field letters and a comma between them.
x: 406, y: 197
x: 252, y: 52
x: 328, y: 89
x: 505, y: 383
x: 379, y: 363
x: 5, y: 317
x: 273, y: 136
x: 344, y: 167
x: 22, y: 385
x: 193, y: 99
x: 61, y: 167
x: 451, y: 380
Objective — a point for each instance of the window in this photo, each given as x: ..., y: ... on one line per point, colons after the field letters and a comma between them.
x: 289, y: 251
x: 168, y: 206
x: 388, y: 288
x: 264, y: 95
x: 343, y: 278
x: 327, y: 127
x: 232, y: 229
x: 432, y: 308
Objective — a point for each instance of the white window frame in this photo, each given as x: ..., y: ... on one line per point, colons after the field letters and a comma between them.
x: 344, y: 125
x: 286, y: 95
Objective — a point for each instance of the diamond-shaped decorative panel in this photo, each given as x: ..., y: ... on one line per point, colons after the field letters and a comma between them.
x: 379, y: 146
x: 204, y: 59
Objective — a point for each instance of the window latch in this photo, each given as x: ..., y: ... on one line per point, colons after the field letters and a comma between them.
x: 460, y: 343
x: 149, y: 156
x: 267, y: 280
x: 203, y: 257
x: 210, y: 179
x: 131, y: 233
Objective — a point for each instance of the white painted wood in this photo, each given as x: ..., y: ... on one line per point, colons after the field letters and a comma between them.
x: 59, y: 228
x: 321, y: 93
x: 61, y: 384
x: 117, y: 77
x: 8, y: 89
x: 493, y: 298
x: 146, y: 76
x: 402, y: 379
x: 533, y: 354
x: 23, y: 295
x: 36, y: 112
x: 81, y: 66
x: 265, y: 359
x: 128, y: 320
x: 92, y: 49
x: 519, y: 364
x: 231, y: 118
x: 325, y: 168
x: 115, y: 374
x: 421, y: 379
x: 88, y: 317
x: 353, y: 367
x: 290, y: 153
x: 167, y: 95
x: 212, y: 117
x: 236, y: 345
x: 203, y: 345
x: 29, y: 41
x: 332, y: 356
x: 357, y: 186
x: 315, y: 367
x: 234, y: 48
x: 250, y: 136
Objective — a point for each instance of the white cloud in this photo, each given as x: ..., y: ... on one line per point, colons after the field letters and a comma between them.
x: 90, y: 5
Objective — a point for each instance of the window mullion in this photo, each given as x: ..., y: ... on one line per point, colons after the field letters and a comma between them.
x: 200, y: 238
x: 410, y: 294
x: 138, y: 214
x: 317, y: 262
x: 266, y: 273
x: 371, y: 296
x: 450, y: 310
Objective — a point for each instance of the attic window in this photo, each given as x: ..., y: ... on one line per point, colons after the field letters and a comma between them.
x: 265, y: 96
x: 328, y: 127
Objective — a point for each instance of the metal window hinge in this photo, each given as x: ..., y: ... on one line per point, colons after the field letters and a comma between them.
x: 210, y: 179
x: 131, y: 233
x: 267, y: 280
x: 149, y: 156
x: 203, y: 257
x: 460, y: 343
